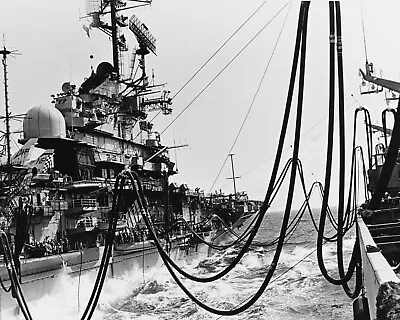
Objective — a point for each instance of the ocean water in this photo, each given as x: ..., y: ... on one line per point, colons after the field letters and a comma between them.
x: 297, y: 290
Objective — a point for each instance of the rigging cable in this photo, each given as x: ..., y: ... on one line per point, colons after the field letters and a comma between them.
x: 219, y: 49
x: 254, y: 97
x: 213, y: 55
x: 223, y: 69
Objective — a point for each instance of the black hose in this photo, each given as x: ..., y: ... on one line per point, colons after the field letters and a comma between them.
x: 384, y: 123
x: 342, y: 143
x: 4, y: 287
x: 13, y: 276
x: 113, y: 217
x: 302, y: 35
x: 341, y: 216
x: 328, y: 169
x: 388, y: 166
x: 270, y: 189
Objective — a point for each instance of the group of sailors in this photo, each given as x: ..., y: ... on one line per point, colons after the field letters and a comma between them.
x: 125, y: 236
x: 47, y: 247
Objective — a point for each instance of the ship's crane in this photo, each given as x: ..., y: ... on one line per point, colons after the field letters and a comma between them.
x: 377, y: 84
x: 368, y: 76
x: 377, y: 128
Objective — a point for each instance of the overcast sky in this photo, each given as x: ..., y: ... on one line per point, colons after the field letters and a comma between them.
x: 54, y: 48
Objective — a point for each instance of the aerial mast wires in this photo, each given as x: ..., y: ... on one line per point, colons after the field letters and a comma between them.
x: 6, y: 53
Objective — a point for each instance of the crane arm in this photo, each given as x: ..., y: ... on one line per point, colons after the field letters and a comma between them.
x: 388, y: 84
x: 381, y: 129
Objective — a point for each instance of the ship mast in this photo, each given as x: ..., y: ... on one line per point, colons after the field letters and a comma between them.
x: 114, y: 36
x: 5, y: 53
x: 233, y: 175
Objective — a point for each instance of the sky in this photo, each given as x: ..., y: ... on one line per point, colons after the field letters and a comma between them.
x: 54, y: 49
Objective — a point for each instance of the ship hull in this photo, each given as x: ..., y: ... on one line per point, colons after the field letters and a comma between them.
x: 376, y: 270
x: 40, y: 276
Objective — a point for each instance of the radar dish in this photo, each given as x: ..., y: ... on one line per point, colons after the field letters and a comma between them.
x: 66, y: 87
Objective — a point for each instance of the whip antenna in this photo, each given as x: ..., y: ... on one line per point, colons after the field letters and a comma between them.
x: 363, y: 28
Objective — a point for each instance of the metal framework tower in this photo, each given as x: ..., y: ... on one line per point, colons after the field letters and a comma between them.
x: 6, y: 53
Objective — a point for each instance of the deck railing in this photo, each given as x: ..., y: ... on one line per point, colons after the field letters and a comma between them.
x: 80, y: 203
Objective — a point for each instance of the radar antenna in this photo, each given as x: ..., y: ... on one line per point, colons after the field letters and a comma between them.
x: 97, y: 8
x: 140, y: 94
x: 146, y: 40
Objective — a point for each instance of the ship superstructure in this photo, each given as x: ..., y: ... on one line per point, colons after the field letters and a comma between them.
x: 378, y: 221
x: 73, y: 149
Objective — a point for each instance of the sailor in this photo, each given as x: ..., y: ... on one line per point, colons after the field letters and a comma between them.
x: 21, y: 222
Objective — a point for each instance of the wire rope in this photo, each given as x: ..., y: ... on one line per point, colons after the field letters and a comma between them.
x: 219, y: 49
x: 213, y: 55
x: 254, y: 97
x: 223, y: 69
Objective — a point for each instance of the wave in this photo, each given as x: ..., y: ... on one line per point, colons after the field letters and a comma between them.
x: 296, y: 291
